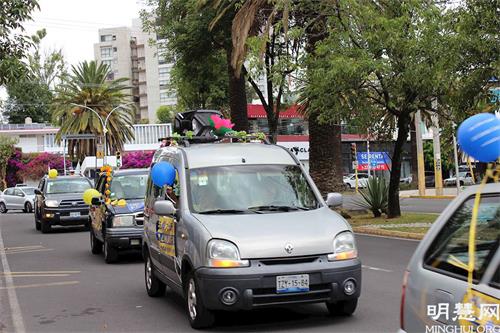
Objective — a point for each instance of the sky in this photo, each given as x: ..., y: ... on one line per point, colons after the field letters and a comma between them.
x: 72, y: 25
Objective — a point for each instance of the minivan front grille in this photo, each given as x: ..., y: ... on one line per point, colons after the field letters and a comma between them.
x: 269, y: 297
x: 139, y: 218
x: 288, y: 261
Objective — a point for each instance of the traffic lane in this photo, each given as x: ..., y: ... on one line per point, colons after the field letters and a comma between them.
x: 416, y: 205
x: 94, y: 296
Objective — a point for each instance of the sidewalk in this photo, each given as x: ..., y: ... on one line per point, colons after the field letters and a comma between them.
x: 430, y: 193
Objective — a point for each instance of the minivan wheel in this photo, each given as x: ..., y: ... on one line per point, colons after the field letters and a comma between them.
x: 199, y: 316
x: 342, y: 308
x: 110, y: 253
x: 28, y: 207
x: 95, y: 244
x: 154, y: 286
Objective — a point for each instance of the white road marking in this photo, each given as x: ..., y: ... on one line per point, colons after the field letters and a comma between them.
x: 23, y: 247
x: 15, y: 309
x: 376, y: 269
x: 27, y: 251
x: 64, y: 283
x: 388, y: 237
x: 37, y: 275
x: 45, y: 272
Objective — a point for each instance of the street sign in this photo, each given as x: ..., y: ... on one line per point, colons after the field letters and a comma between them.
x: 100, y: 151
x: 378, y: 161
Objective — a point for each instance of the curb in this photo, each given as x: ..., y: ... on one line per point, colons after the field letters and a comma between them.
x: 388, y: 233
x: 432, y: 196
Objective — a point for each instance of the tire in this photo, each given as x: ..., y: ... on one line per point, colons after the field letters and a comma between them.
x: 110, y: 253
x: 154, y: 286
x: 38, y: 225
x: 45, y: 227
x: 3, y: 208
x: 342, y: 308
x: 461, y: 183
x: 199, y: 316
x: 95, y: 244
x: 349, y: 186
x: 28, y: 207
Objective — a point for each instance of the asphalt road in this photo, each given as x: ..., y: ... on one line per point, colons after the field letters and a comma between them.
x: 60, y: 286
x: 415, y: 205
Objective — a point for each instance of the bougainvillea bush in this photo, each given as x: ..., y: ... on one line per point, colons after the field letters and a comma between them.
x: 15, y: 168
x: 38, y: 166
x: 137, y: 159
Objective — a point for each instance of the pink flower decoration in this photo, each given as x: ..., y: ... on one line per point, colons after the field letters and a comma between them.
x: 219, y: 122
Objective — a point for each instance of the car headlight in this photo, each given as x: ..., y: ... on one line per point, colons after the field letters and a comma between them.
x: 344, y: 247
x: 224, y: 254
x: 51, y: 203
x: 123, y: 221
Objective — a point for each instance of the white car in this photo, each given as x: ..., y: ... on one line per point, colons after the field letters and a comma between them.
x: 465, y: 178
x: 350, y: 180
x: 21, y: 198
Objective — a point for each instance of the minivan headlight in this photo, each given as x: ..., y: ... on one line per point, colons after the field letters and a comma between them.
x: 224, y: 254
x: 51, y: 203
x: 123, y: 221
x: 344, y: 247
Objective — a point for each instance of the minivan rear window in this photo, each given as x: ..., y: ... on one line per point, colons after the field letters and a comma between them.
x: 449, y: 255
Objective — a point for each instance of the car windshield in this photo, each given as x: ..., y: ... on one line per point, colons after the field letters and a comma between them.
x: 250, y: 189
x: 67, y: 185
x: 128, y: 186
x: 28, y: 190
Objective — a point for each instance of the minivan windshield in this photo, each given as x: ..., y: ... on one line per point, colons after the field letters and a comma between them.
x: 128, y: 186
x: 250, y: 189
x: 67, y: 185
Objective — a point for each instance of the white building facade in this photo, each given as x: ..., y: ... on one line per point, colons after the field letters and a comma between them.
x: 135, y: 54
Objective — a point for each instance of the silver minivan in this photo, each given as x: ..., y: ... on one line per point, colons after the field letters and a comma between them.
x: 244, y: 227
x: 435, y: 297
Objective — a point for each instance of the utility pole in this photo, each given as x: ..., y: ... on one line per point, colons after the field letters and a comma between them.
x: 455, y: 152
x: 438, y: 170
x: 368, y: 152
x: 420, y: 154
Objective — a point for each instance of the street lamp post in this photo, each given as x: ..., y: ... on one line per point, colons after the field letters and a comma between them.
x: 104, y: 123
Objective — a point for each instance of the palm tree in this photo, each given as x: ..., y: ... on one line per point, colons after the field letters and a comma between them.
x: 88, y: 86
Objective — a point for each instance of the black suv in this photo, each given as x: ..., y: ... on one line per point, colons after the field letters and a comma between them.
x: 117, y: 220
x: 59, y: 201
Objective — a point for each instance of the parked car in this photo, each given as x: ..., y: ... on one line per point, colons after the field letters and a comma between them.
x: 247, y: 229
x: 59, y: 201
x: 436, y: 277
x: 465, y: 178
x: 116, y: 226
x: 406, y: 180
x: 351, y: 180
x: 18, y: 197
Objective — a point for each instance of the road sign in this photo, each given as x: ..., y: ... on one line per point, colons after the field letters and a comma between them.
x: 378, y: 161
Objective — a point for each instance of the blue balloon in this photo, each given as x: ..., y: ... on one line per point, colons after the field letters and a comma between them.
x: 479, y: 137
x: 163, y: 173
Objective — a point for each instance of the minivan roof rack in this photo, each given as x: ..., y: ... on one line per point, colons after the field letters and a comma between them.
x: 186, y: 141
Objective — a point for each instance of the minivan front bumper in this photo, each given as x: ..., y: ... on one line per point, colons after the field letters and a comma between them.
x: 255, y: 286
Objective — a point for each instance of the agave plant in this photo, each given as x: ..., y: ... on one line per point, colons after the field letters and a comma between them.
x: 88, y: 86
x: 374, y: 196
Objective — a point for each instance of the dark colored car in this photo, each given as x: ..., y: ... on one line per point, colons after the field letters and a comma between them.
x: 117, y: 224
x: 59, y: 201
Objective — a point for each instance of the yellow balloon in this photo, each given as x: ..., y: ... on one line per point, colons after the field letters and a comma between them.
x: 89, y: 194
x: 52, y: 173
x: 121, y: 203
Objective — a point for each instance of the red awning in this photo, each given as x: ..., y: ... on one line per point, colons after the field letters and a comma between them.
x: 257, y: 111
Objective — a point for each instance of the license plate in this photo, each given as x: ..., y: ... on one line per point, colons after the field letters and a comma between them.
x: 292, y: 283
x: 74, y: 214
x: 135, y: 242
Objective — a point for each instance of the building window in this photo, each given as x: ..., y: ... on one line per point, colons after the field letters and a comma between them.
x: 163, y: 83
x: 164, y: 73
x: 107, y: 38
x: 115, y: 49
x: 163, y: 98
x: 106, y: 52
x: 107, y: 62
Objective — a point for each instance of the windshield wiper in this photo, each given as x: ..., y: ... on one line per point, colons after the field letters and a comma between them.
x: 225, y: 211
x: 278, y: 208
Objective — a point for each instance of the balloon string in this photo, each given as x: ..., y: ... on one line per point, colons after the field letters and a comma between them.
x: 490, y: 173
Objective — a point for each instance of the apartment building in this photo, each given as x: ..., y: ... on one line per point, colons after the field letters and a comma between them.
x: 135, y: 54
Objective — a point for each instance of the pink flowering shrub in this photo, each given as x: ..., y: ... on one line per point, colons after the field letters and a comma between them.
x: 137, y: 159
x: 15, y: 168
x: 38, y: 166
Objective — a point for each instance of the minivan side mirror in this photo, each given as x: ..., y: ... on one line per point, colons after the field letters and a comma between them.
x: 334, y: 199
x: 96, y: 201
x: 38, y: 192
x: 164, y: 208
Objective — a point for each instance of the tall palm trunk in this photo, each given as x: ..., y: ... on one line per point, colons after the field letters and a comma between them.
x: 237, y: 97
x: 325, y: 155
